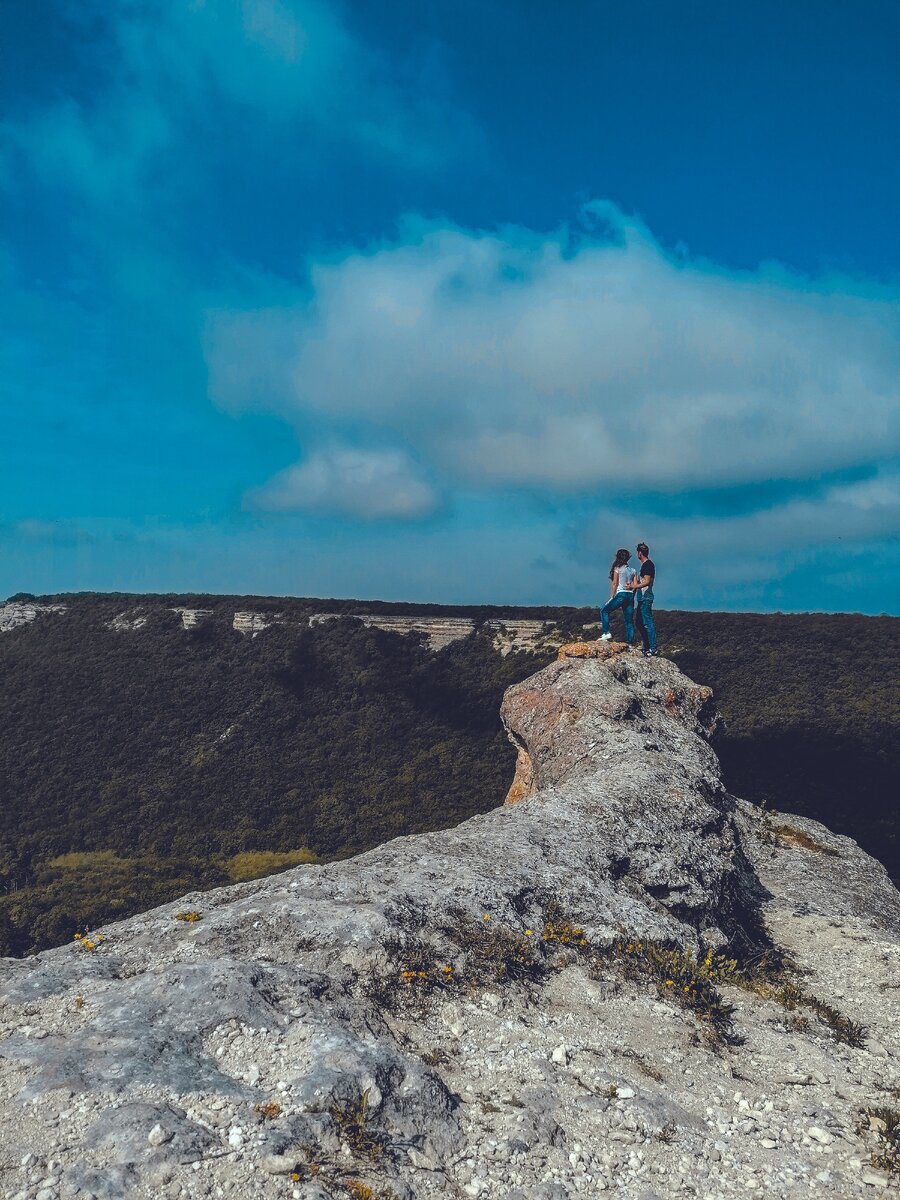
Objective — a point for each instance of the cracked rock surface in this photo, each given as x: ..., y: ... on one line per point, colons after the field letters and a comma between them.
x: 258, y: 1051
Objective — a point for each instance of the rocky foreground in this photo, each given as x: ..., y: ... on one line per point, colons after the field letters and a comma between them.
x: 583, y: 991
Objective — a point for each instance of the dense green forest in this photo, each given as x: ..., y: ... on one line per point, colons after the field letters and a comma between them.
x: 136, y: 765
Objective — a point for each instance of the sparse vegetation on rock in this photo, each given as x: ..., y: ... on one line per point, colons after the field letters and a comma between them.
x: 883, y: 1124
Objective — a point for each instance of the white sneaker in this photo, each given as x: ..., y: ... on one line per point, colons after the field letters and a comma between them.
x: 605, y: 637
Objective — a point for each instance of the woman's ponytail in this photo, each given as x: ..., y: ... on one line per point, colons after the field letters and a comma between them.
x: 622, y: 557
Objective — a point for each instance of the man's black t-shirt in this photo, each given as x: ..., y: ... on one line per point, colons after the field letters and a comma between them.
x: 647, y: 568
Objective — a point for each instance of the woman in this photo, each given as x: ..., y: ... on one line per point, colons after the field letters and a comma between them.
x: 620, y: 596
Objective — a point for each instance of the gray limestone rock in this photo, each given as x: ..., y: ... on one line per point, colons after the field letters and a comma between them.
x: 256, y: 1044
x: 124, y: 1133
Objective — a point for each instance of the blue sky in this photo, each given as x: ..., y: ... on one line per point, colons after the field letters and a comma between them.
x: 448, y: 300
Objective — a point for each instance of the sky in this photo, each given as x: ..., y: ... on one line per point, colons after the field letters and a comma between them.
x: 446, y: 301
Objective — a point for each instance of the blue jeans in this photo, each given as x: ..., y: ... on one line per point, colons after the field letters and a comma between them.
x: 643, y: 611
x: 625, y: 601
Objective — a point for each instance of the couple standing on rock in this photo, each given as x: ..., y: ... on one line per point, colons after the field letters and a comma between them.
x: 632, y: 591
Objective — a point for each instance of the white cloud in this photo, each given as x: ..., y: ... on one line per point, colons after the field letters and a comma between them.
x: 518, y: 359
x: 368, y: 484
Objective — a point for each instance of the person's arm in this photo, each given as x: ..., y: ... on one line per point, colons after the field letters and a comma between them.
x: 613, y: 583
x: 643, y: 581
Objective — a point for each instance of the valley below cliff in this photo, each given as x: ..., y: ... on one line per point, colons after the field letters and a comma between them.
x: 625, y: 980
x: 151, y: 745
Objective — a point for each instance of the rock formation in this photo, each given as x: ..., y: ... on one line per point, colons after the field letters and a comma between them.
x: 254, y: 622
x: 15, y: 613
x: 474, y: 1012
x: 509, y: 635
x: 129, y: 621
x: 190, y: 617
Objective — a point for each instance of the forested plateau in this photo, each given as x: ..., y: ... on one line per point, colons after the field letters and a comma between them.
x: 137, y: 764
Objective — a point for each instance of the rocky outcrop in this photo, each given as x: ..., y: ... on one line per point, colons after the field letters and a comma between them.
x: 421, y: 1020
x: 16, y: 613
x: 129, y: 621
x: 254, y: 622
x: 192, y: 617
x: 441, y: 631
x: 508, y: 635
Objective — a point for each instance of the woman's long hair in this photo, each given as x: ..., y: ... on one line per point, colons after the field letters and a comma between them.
x: 622, y: 557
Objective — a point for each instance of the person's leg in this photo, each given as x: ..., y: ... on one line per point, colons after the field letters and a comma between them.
x: 608, y: 607
x: 628, y: 614
x: 647, y: 618
x: 639, y: 620
x: 604, y: 616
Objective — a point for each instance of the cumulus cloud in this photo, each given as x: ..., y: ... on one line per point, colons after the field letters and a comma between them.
x: 577, y: 361
x: 367, y: 484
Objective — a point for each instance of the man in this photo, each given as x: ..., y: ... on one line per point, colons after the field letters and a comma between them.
x: 642, y: 586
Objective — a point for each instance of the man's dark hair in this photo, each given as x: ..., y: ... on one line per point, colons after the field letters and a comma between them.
x: 642, y: 548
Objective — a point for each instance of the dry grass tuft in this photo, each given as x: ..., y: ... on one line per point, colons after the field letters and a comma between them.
x: 786, y: 835
x: 773, y: 976
x: 677, y: 976
x: 255, y: 864
x: 495, y: 955
x: 884, y: 1123
x: 354, y: 1124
